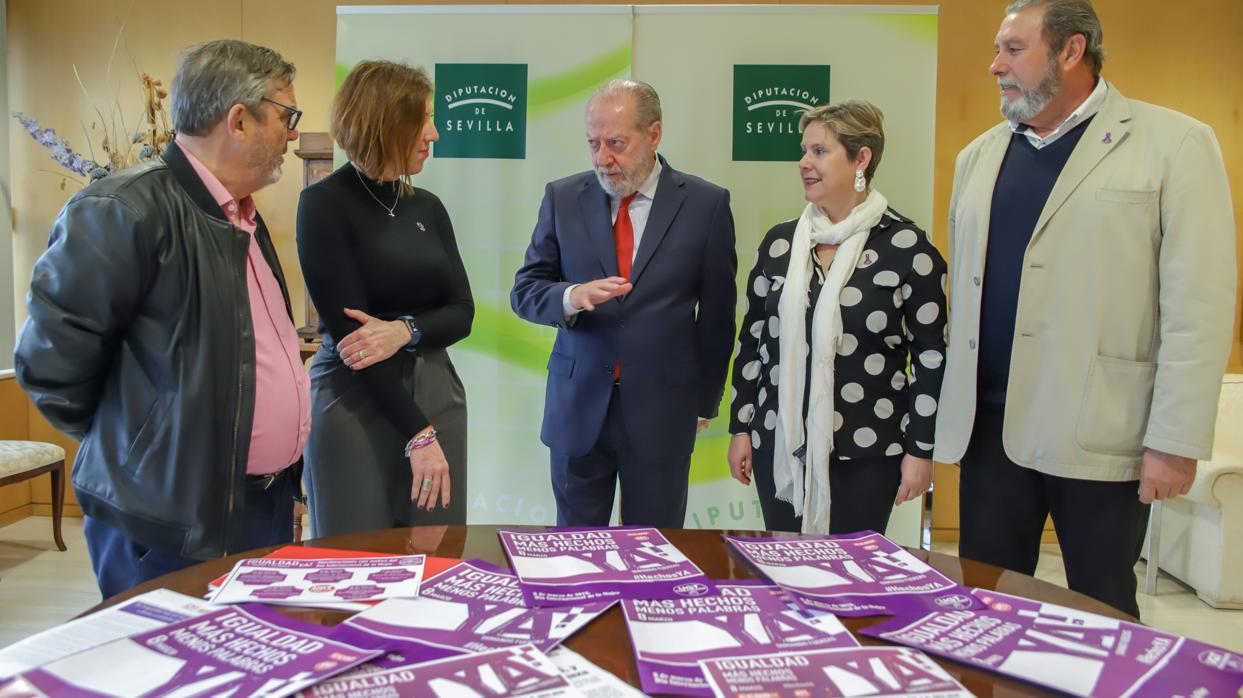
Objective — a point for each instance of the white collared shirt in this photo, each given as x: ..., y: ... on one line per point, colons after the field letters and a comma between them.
x: 640, y: 208
x: 1082, y: 113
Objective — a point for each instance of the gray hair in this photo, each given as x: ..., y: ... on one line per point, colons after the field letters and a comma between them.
x: 1065, y: 18
x: 646, y: 101
x: 213, y: 76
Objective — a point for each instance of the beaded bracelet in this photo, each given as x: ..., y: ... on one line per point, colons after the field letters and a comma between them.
x: 427, y: 438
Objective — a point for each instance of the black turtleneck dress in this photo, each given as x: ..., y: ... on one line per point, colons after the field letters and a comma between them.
x: 355, y: 255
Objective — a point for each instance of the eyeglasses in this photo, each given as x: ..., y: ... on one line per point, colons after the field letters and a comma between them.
x: 294, y: 114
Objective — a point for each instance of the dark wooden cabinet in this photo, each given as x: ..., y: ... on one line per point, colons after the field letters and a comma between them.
x: 315, y: 150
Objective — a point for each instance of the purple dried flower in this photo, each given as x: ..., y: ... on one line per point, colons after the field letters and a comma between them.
x: 59, y: 147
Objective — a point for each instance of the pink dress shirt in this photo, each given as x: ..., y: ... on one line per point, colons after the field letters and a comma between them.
x: 282, y: 417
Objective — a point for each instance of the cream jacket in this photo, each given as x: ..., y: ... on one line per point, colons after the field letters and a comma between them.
x: 1126, y: 303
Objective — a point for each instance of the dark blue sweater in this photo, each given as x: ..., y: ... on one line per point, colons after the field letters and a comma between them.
x: 1027, y: 176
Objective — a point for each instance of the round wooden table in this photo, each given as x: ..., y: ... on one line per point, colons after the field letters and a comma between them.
x: 605, y: 641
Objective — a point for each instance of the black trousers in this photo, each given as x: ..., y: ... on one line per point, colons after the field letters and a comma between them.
x: 653, y: 493
x: 863, y: 490
x: 1002, y: 509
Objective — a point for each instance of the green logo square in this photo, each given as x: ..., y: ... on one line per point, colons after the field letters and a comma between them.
x: 768, y: 102
x: 481, y: 110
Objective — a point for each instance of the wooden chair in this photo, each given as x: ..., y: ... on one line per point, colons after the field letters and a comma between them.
x: 23, y: 460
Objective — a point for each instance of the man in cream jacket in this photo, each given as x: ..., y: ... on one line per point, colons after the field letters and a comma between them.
x: 1092, y: 256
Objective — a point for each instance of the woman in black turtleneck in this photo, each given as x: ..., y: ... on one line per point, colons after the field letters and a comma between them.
x: 388, y: 426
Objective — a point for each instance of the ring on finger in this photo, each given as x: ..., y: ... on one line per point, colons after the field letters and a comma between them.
x: 427, y: 484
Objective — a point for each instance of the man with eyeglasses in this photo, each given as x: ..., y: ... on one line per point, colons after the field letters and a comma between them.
x: 160, y: 333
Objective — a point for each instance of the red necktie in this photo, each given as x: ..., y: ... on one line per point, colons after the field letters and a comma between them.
x: 623, y: 237
x: 623, y: 242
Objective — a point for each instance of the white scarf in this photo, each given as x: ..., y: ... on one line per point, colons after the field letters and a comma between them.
x: 809, y: 494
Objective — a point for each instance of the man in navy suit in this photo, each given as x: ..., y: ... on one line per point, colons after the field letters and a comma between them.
x: 633, y: 262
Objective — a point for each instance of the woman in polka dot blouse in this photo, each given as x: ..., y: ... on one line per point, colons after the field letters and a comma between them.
x: 842, y: 346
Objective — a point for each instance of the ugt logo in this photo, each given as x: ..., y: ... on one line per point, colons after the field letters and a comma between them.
x: 691, y: 589
x: 768, y: 102
x: 481, y: 110
x: 956, y: 601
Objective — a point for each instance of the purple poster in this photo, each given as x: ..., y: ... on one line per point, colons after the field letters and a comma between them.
x: 567, y: 566
x: 671, y: 636
x: 876, y: 672
x: 245, y: 651
x: 472, y: 606
x: 322, y: 581
x: 397, y: 652
x: 512, y: 671
x: 860, y: 574
x: 1077, y: 652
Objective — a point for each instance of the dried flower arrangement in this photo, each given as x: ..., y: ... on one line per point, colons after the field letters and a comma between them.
x: 120, y: 149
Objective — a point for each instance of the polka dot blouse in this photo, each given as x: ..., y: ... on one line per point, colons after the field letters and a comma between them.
x: 891, y: 357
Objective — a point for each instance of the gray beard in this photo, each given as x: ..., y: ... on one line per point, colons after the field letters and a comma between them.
x: 630, y: 182
x: 271, y: 168
x: 1032, y: 102
x: 274, y: 176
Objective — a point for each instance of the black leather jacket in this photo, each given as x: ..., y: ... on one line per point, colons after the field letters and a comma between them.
x: 140, y: 344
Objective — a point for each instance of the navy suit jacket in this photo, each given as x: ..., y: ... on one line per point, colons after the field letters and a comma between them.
x: 673, y: 333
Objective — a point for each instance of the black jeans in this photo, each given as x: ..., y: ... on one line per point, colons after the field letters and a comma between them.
x: 863, y: 490
x: 1002, y: 509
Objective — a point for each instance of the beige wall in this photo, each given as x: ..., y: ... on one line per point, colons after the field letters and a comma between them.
x: 1186, y: 55
x: 7, y: 325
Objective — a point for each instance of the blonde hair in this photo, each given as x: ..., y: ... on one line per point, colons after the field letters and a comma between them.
x: 379, y: 114
x: 856, y: 124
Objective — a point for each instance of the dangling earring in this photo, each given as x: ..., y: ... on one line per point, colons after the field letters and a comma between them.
x: 860, y: 182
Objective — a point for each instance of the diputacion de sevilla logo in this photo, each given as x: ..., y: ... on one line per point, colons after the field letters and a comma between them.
x: 768, y: 102
x: 481, y: 110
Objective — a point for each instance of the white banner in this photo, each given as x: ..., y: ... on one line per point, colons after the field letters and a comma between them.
x: 731, y: 81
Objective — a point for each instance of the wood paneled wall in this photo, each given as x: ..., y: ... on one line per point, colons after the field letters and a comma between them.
x: 14, y: 499
x: 19, y: 420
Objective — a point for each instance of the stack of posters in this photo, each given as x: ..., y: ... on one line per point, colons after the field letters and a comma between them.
x: 1076, y: 652
x: 154, y: 609
x: 671, y: 636
x: 244, y: 651
x: 321, y: 581
x: 876, y: 672
x: 474, y: 606
x: 433, y: 565
x: 510, y: 671
x: 859, y: 574
x: 570, y: 566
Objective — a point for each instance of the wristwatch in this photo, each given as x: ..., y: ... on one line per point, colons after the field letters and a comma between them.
x: 415, y: 334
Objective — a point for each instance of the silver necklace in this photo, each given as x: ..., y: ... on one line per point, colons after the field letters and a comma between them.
x: 390, y: 209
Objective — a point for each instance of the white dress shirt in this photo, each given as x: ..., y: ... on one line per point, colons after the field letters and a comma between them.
x: 1085, y: 111
x: 640, y: 208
